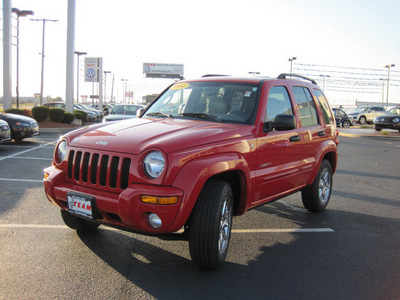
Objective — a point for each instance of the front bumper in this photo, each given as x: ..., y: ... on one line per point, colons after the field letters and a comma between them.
x: 124, y: 210
x: 24, y: 132
x: 395, y: 126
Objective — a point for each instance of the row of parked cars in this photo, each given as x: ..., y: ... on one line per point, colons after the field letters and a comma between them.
x: 110, y: 112
x: 376, y: 115
x: 17, y: 127
x: 92, y: 114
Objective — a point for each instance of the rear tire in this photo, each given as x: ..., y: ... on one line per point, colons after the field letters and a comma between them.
x: 346, y: 124
x: 210, y: 225
x: 77, y: 223
x: 316, y: 196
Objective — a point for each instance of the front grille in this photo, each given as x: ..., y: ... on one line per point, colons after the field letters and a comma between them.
x: 97, y: 169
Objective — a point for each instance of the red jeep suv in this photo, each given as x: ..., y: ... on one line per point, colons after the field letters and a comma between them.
x: 204, y: 151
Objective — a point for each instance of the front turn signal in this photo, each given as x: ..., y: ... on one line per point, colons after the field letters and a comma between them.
x: 159, y: 200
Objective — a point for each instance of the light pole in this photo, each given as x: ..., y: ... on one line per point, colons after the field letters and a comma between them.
x: 41, y: 82
x: 323, y: 81
x: 77, y: 73
x: 112, y: 90
x: 291, y: 62
x: 387, y: 92
x: 19, y: 13
x: 254, y: 73
x: 105, y: 84
x: 124, y: 88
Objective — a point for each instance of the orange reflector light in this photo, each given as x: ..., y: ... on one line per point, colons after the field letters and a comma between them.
x: 159, y: 200
x: 46, y: 176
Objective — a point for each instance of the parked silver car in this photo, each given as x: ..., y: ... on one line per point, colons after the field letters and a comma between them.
x: 366, y: 114
x: 5, y: 132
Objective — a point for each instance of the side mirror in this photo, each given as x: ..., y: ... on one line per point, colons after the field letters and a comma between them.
x: 281, y: 123
x: 139, y: 112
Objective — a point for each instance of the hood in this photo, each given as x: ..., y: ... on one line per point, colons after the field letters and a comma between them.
x: 16, y: 117
x: 170, y: 135
x: 118, y: 117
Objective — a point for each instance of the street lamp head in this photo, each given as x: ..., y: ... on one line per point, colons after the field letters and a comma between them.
x: 389, y: 66
x: 293, y: 58
x: 22, y: 13
x: 80, y: 53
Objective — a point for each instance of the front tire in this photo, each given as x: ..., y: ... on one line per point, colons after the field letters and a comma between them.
x: 210, y: 225
x: 316, y: 196
x: 77, y: 223
x: 362, y: 120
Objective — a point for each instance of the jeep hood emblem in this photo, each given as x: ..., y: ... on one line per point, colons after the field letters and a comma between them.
x: 101, y: 143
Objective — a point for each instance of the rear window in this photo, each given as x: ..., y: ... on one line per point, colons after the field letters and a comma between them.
x: 323, y: 103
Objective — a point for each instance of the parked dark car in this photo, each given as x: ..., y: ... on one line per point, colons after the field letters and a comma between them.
x: 391, y: 120
x: 5, y: 133
x: 21, y: 126
x: 342, y: 119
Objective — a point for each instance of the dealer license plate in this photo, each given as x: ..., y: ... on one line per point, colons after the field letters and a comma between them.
x: 80, y: 205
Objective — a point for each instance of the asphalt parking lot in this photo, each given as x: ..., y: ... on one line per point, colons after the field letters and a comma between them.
x: 277, y: 251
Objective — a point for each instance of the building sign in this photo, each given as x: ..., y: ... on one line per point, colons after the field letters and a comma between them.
x: 91, y: 69
x: 163, y: 70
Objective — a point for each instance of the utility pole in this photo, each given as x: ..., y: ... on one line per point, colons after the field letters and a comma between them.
x: 42, y: 75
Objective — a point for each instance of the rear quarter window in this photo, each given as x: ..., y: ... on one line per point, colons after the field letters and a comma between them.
x: 323, y: 103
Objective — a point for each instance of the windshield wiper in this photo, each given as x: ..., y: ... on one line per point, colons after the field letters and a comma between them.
x: 159, y: 114
x: 201, y: 116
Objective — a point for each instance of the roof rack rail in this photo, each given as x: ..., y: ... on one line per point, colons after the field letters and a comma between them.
x: 285, y: 75
x: 213, y: 75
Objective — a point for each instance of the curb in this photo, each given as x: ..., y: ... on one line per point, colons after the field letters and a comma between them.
x: 56, y: 130
x: 379, y: 136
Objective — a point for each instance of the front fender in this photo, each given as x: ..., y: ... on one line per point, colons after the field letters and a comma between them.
x: 194, y: 175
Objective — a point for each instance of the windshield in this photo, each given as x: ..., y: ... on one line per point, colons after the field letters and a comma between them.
x: 394, y: 111
x: 211, y: 101
x: 125, y: 109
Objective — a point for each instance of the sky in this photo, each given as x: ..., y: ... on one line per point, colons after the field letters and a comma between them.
x: 356, y: 37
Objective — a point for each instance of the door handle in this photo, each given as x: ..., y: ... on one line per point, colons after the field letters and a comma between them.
x: 295, y: 138
x: 321, y: 133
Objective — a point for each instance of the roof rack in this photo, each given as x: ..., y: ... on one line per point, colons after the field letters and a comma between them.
x: 285, y: 75
x: 213, y: 75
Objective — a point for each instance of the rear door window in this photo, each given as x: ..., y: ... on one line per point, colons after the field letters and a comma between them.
x: 306, y: 106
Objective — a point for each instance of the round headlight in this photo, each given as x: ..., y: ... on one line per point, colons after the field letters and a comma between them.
x: 154, y: 164
x: 396, y: 120
x: 61, y: 151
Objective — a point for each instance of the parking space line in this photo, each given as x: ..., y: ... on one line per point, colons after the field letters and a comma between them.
x: 270, y: 230
x: 25, y: 157
x: 23, y: 152
x: 20, y: 180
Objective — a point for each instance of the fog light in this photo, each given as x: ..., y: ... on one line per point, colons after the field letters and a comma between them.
x: 154, y: 221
